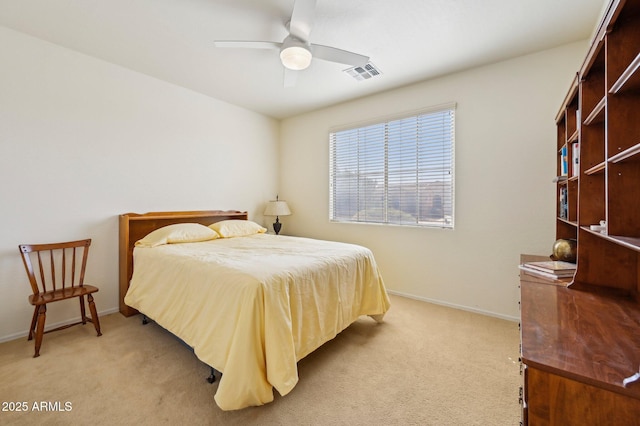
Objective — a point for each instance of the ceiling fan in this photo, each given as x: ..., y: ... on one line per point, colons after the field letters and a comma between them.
x: 296, y: 51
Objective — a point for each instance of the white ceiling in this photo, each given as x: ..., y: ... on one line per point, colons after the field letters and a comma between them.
x: 409, y: 40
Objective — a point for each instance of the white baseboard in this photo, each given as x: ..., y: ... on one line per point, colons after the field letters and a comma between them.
x: 453, y: 305
x: 25, y: 333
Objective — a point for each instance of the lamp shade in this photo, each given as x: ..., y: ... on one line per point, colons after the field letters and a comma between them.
x: 295, y: 58
x: 295, y: 54
x: 277, y: 208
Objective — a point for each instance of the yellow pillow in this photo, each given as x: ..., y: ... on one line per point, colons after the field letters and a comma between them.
x: 237, y: 228
x: 178, y: 233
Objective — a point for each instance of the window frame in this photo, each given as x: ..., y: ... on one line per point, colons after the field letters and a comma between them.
x: 447, y: 219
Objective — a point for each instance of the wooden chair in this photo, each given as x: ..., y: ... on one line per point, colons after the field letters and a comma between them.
x: 59, y: 276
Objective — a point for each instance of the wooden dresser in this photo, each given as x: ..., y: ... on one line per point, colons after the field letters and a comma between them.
x: 577, y: 347
x: 581, y: 338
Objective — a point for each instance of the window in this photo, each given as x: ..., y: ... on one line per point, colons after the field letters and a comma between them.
x: 399, y: 171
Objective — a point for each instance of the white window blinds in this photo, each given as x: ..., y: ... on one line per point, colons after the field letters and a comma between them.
x: 399, y: 171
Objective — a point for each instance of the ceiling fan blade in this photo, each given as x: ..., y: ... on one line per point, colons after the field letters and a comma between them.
x: 290, y: 77
x: 338, y: 55
x: 247, y: 44
x: 302, y: 19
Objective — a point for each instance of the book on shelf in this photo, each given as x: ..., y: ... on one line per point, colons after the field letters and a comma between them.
x: 575, y: 159
x: 563, y: 204
x: 554, y: 269
x: 564, y: 161
x: 542, y: 274
x: 554, y: 266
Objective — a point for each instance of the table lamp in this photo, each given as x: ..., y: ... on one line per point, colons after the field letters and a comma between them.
x: 277, y: 208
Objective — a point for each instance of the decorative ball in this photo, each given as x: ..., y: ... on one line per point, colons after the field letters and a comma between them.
x: 565, y: 250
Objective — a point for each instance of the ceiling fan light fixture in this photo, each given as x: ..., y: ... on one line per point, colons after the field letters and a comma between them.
x: 295, y: 57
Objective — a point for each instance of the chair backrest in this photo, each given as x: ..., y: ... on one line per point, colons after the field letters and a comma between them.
x: 59, y: 265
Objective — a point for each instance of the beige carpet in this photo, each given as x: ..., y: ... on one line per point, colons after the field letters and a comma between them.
x: 426, y: 365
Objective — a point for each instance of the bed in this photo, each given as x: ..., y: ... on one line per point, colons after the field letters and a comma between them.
x: 250, y: 306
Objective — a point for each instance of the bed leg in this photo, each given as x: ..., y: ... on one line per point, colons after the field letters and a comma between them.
x: 145, y: 320
x: 212, y: 377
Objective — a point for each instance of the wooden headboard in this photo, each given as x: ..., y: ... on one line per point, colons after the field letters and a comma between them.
x: 135, y: 226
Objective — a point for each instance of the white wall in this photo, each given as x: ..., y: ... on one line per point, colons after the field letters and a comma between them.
x: 505, y: 160
x: 82, y: 141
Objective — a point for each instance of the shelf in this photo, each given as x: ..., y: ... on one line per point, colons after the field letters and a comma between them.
x: 579, y: 342
x: 626, y: 154
x: 597, y: 115
x: 630, y: 78
x: 573, y: 92
x: 595, y: 57
x: 574, y: 137
x: 628, y: 242
x: 568, y: 222
x: 596, y: 169
x: 593, y: 85
x: 632, y: 243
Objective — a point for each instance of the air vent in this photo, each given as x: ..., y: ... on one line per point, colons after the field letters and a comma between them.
x: 363, y: 73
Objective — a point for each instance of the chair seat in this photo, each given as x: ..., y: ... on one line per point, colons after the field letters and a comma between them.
x: 61, y: 294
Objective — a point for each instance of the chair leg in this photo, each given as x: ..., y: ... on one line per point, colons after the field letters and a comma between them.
x: 33, y: 323
x: 42, y: 316
x: 94, y: 314
x: 82, y: 310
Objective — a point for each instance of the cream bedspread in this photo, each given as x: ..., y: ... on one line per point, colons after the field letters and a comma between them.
x: 251, y: 307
